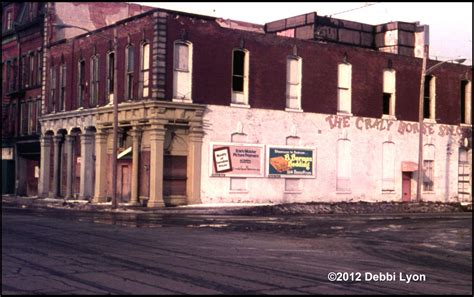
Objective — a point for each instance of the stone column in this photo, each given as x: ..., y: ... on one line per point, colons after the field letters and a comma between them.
x: 57, y: 140
x: 45, y: 163
x: 69, y: 145
x: 85, y: 187
x: 100, y: 166
x: 136, y: 136
x: 193, y: 183
x: 157, y: 138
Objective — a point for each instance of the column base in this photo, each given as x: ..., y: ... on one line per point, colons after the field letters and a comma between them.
x: 155, y: 204
x: 99, y: 200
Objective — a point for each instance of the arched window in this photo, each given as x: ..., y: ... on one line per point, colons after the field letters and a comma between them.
x: 182, y: 74
x: 145, y: 70
x: 129, y: 67
x: 94, y: 81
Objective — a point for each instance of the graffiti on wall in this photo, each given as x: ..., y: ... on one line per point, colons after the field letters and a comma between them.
x: 336, y: 121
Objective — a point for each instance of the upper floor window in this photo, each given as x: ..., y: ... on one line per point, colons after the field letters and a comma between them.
x: 31, y: 123
x: 240, y: 73
x: 466, y: 116
x: 9, y: 21
x: 389, y: 82
x: 81, y: 83
x: 182, y: 74
x: 94, y: 81
x: 39, y: 68
x: 130, y: 62
x: 429, y: 97
x: 293, y: 82
x: 38, y: 114
x: 52, y: 88
x: 344, y: 88
x: 145, y: 70
x: 23, y: 118
x: 62, y: 86
x: 31, y: 69
x: 9, y: 76
x: 110, y: 76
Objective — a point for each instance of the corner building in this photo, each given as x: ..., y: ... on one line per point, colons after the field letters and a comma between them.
x: 211, y: 110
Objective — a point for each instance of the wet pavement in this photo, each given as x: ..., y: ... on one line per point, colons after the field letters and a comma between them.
x: 64, y: 251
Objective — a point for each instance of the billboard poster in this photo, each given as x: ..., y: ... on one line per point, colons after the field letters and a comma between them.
x: 291, y: 162
x: 237, y: 160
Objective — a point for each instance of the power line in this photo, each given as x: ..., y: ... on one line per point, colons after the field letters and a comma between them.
x: 366, y: 5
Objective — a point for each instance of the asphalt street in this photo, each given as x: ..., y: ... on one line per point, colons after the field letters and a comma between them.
x: 69, y: 252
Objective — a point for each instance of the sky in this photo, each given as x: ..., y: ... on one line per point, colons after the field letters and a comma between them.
x: 450, y: 22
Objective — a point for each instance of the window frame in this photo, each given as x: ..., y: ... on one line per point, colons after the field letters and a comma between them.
x: 181, y: 75
x: 295, y: 84
x: 344, y: 89
x: 241, y: 98
x: 94, y: 81
x: 145, y: 52
x: 129, y: 71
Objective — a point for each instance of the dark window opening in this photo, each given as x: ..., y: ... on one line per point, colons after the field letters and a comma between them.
x: 427, y: 98
x: 386, y: 103
x: 238, y: 71
x: 81, y: 81
x: 110, y: 74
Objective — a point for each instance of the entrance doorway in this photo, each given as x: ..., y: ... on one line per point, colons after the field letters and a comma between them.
x: 125, y: 183
x: 406, y: 186
x: 174, y: 179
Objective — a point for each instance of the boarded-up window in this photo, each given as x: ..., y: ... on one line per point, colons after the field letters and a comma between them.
x: 182, y: 75
x: 388, y: 166
x: 344, y: 88
x: 428, y: 167
x: 293, y: 84
x: 389, y: 92
x: 344, y: 167
x: 466, y: 102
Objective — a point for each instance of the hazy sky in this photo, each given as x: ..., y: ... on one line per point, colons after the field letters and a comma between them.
x: 450, y: 23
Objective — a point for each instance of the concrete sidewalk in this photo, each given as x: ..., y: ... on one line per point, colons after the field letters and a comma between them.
x: 246, y: 209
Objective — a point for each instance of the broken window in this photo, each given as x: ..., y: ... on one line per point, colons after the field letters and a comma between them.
x: 130, y: 52
x: 344, y: 88
x: 62, y: 83
x: 240, y: 65
x: 389, y: 92
x: 110, y: 75
x: 429, y: 98
x: 81, y: 83
x: 94, y: 87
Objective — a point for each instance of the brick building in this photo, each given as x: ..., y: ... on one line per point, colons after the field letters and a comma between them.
x: 302, y: 109
x: 23, y: 51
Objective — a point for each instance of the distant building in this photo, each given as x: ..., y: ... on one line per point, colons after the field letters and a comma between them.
x: 210, y: 110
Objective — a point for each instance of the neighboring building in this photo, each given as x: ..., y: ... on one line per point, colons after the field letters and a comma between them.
x: 301, y: 109
x: 23, y: 54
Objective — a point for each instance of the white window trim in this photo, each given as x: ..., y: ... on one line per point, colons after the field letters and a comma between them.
x: 144, y: 67
x: 349, y: 89
x: 186, y: 98
x: 298, y: 85
x: 393, y: 98
x: 245, y: 93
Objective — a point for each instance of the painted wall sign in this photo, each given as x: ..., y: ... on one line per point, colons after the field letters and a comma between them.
x: 386, y: 124
x: 291, y: 162
x: 237, y: 160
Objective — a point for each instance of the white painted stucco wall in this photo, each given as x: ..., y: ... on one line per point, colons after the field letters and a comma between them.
x: 314, y: 130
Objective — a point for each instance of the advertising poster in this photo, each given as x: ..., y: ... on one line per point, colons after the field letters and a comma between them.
x: 237, y: 160
x: 291, y: 162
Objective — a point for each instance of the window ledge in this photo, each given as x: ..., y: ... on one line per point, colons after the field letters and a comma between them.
x: 341, y: 113
x: 430, y: 121
x: 238, y: 191
x: 293, y: 109
x: 182, y: 100
x: 293, y: 192
x: 389, y: 117
x: 465, y: 125
x: 239, y: 105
